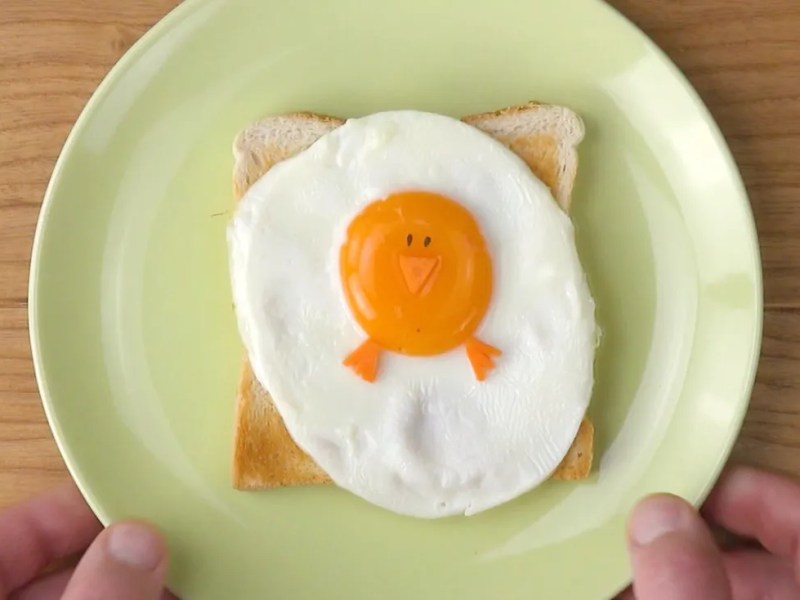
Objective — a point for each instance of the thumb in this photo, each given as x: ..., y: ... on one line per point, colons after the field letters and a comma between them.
x: 127, y: 561
x: 673, y: 554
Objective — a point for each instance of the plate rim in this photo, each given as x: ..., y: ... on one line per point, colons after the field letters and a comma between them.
x: 743, y: 405
x: 162, y: 27
x: 39, y: 368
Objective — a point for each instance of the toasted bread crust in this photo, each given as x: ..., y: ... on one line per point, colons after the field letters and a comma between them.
x: 268, y: 141
x: 265, y: 455
x: 546, y: 137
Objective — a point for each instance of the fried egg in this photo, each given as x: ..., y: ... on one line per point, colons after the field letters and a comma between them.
x: 411, y: 296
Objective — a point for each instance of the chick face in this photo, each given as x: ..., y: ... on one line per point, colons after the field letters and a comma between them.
x: 416, y: 273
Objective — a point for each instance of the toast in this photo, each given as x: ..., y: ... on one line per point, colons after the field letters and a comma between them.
x: 544, y: 136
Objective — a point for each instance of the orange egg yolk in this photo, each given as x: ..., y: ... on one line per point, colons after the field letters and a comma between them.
x: 416, y: 273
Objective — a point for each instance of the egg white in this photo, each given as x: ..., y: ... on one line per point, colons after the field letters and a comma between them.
x: 426, y: 439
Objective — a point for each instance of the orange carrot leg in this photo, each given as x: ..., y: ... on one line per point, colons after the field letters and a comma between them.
x: 480, y: 357
x: 364, y: 360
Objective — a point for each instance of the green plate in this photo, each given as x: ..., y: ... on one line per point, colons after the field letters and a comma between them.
x: 134, y: 336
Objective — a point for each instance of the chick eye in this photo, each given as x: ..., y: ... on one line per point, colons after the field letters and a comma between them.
x: 427, y: 241
x: 409, y: 239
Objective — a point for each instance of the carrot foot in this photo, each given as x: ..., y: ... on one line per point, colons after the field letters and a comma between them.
x: 364, y: 360
x: 480, y: 357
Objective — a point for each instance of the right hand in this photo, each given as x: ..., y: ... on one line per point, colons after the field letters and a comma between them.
x: 674, y: 555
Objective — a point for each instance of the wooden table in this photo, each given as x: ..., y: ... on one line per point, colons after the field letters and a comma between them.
x: 742, y: 55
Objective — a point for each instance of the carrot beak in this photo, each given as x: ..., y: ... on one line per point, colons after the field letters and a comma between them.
x: 419, y: 271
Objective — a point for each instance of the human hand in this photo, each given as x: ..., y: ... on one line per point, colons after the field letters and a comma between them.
x: 127, y: 561
x: 675, y: 557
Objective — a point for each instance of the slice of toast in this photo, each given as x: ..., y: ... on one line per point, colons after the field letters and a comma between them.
x: 544, y: 136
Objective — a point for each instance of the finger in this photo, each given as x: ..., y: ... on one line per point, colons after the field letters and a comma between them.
x: 757, y: 575
x: 760, y: 505
x: 43, y: 529
x: 49, y: 587
x: 128, y: 561
x: 626, y: 595
x: 673, y: 554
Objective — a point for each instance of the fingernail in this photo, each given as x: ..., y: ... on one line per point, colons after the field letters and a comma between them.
x: 135, y: 546
x: 657, y: 516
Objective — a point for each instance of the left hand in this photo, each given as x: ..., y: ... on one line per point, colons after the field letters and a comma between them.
x: 127, y: 561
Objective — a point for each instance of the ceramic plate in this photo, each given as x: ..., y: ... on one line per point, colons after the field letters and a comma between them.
x: 134, y: 338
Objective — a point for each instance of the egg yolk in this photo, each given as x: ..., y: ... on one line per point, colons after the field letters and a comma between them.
x: 416, y: 273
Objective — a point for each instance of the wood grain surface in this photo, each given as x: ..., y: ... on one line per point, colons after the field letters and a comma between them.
x: 743, y: 56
